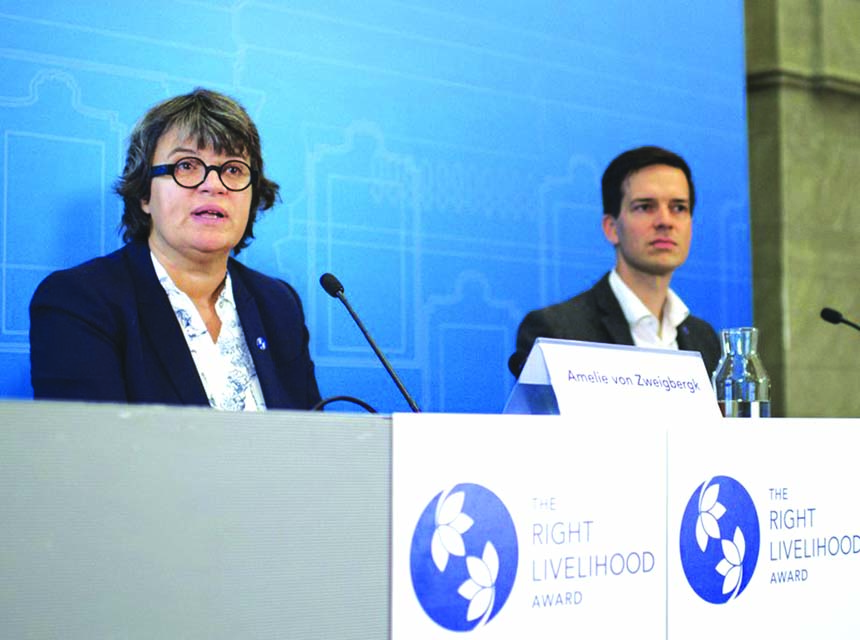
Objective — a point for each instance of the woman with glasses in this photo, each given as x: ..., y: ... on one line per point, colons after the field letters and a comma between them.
x: 173, y: 317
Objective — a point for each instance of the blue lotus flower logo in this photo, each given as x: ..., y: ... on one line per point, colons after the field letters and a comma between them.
x: 463, y: 557
x: 720, y: 540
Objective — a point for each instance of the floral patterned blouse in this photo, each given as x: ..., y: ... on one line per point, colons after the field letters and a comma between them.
x: 225, y: 367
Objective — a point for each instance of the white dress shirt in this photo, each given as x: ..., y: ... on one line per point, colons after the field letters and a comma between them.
x: 646, y: 328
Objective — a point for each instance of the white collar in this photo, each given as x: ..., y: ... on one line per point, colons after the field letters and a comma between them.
x: 674, y: 309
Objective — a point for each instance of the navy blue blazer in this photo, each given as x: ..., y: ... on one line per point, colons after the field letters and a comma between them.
x: 596, y: 316
x: 105, y: 331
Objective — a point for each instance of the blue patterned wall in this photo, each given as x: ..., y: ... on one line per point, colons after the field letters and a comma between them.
x: 442, y: 158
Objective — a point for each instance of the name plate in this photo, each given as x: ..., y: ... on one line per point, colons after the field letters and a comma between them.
x: 569, y: 377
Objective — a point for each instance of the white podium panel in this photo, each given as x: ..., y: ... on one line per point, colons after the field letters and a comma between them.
x: 524, y: 527
x: 750, y: 528
x: 764, y: 530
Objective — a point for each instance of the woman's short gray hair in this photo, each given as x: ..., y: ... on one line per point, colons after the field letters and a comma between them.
x: 214, y: 121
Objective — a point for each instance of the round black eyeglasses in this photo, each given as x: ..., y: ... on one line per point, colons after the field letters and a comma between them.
x: 192, y: 172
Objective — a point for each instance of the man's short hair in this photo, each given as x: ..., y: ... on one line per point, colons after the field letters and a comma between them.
x: 212, y: 120
x: 631, y: 161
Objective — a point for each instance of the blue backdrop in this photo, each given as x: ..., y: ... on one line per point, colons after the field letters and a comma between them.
x: 442, y: 158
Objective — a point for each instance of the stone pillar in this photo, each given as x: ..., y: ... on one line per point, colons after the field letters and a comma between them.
x: 803, y: 88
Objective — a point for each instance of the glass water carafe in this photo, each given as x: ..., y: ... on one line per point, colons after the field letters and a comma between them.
x: 740, y: 380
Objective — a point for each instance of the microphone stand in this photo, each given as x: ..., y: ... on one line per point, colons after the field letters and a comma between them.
x: 334, y: 288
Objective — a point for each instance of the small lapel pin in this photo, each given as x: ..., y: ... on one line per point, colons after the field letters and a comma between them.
x: 261, y: 343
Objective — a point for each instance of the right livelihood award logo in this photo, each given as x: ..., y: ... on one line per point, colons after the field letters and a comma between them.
x: 720, y: 540
x: 463, y: 557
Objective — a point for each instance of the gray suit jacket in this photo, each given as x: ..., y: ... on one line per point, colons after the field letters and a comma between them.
x: 596, y: 316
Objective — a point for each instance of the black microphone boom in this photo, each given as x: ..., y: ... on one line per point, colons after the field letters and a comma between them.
x: 834, y: 317
x: 334, y: 288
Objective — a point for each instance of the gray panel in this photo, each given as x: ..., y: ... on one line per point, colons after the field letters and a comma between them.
x: 155, y: 522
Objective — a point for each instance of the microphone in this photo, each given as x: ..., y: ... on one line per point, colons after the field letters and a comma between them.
x: 334, y: 288
x: 834, y: 317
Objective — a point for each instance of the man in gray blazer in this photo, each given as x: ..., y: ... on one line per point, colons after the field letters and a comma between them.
x: 648, y: 200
